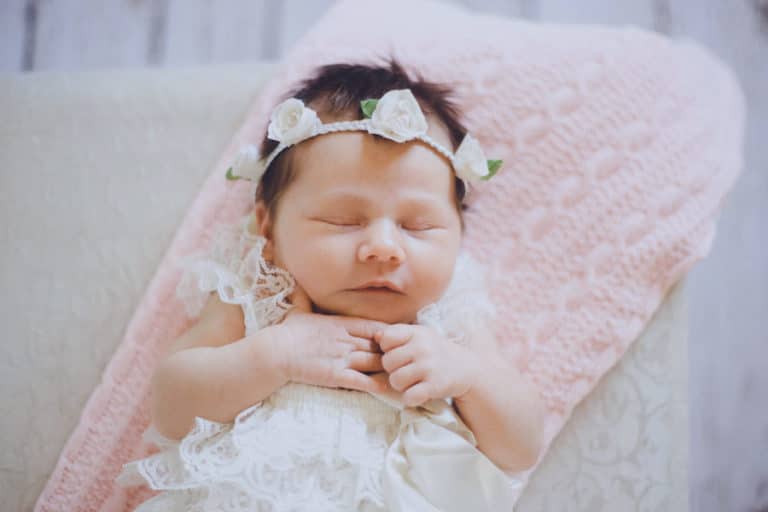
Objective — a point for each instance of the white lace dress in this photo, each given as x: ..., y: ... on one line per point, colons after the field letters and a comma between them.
x: 312, y: 448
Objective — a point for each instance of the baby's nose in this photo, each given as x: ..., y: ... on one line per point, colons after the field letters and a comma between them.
x: 382, y: 243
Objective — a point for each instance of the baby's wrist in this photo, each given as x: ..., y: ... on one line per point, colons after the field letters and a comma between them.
x: 474, y: 380
x: 272, y: 351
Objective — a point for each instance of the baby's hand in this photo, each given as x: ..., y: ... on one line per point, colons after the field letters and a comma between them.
x: 328, y: 350
x: 425, y: 365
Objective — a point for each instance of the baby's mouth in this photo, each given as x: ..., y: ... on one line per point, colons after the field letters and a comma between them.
x: 379, y: 286
x: 376, y: 290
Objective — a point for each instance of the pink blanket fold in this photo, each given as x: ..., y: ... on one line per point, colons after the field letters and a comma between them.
x: 619, y: 147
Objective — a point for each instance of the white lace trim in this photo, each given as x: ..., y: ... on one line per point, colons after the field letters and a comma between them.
x: 465, y: 304
x: 320, y: 447
x: 235, y: 268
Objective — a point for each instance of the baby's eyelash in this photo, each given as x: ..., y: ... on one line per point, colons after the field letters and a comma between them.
x: 417, y: 226
x: 341, y: 222
x: 409, y: 226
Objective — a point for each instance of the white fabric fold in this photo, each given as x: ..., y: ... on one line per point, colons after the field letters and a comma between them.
x: 434, y: 465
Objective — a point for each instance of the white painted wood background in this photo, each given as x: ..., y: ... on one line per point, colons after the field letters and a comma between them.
x: 728, y: 292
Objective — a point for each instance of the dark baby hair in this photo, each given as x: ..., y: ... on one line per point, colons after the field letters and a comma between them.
x: 335, y: 91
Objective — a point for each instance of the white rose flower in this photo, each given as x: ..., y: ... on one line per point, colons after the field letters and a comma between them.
x: 291, y: 122
x: 469, y: 161
x: 398, y: 116
x: 248, y: 164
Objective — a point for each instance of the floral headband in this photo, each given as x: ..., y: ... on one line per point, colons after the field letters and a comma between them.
x: 396, y: 116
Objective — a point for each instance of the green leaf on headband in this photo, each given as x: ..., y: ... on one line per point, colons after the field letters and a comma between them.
x: 231, y: 176
x: 493, y: 168
x: 368, y: 106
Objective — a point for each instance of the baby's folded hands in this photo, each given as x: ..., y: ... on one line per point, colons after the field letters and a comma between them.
x: 366, y: 355
x: 329, y: 350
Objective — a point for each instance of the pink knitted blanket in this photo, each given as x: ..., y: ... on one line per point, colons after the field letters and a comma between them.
x: 619, y: 148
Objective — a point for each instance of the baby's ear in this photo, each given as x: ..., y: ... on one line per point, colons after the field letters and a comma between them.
x: 261, y: 220
x: 261, y: 225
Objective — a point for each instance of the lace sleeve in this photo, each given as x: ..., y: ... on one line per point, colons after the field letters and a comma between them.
x: 234, y: 267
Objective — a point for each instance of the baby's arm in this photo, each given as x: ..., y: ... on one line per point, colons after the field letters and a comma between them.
x: 502, y: 409
x: 212, y: 371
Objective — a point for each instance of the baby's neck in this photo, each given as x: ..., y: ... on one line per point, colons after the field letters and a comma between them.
x: 321, y: 311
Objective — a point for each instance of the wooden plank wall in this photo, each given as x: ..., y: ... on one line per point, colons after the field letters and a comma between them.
x: 728, y: 291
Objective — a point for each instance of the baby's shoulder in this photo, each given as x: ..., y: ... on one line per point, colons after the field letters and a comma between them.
x: 219, y: 324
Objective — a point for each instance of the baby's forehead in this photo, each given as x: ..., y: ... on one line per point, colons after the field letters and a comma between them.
x: 379, y: 168
x: 350, y: 196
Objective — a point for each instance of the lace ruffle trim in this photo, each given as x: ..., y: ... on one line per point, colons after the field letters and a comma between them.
x: 267, y: 448
x: 235, y: 268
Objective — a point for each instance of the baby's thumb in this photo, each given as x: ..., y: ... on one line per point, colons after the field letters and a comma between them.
x: 300, y: 299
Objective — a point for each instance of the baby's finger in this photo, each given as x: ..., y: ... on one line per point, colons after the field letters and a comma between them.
x: 365, y: 361
x: 397, y: 358
x: 353, y: 379
x: 407, y: 376
x: 382, y: 382
x: 393, y: 336
x: 364, y: 344
x: 417, y: 394
x: 361, y: 327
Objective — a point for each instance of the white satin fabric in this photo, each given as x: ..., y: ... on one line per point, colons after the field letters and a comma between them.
x: 433, y: 465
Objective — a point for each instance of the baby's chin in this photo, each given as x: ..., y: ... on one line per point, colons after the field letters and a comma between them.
x: 386, y: 315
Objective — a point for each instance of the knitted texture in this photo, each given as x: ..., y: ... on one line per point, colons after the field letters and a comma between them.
x: 619, y: 146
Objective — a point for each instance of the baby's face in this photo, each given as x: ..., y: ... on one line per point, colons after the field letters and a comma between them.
x: 364, y: 208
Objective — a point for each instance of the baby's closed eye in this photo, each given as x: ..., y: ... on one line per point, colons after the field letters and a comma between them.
x: 409, y: 224
x: 417, y: 226
x: 340, y: 221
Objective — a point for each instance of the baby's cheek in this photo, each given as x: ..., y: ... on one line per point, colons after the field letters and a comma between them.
x: 434, y: 278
